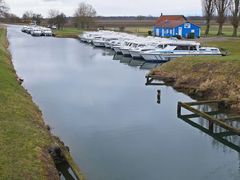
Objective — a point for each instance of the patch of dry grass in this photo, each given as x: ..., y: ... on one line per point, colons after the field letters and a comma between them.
x: 209, y: 77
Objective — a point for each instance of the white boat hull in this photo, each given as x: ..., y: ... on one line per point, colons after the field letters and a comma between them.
x: 135, y: 54
x: 117, y: 50
x: 154, y: 57
x: 98, y: 44
x: 107, y: 45
x: 167, y: 57
x: 125, y: 52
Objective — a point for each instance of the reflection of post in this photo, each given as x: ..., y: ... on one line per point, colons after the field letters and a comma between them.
x: 239, y: 159
x: 159, y: 96
x: 179, y: 109
x: 210, y: 126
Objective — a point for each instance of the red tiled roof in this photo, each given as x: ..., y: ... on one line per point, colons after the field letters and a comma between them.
x: 170, y: 21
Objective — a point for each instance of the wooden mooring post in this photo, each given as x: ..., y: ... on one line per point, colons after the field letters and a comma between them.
x: 159, y: 96
x: 221, y: 104
x: 151, y: 78
x: 60, y: 154
x: 71, y: 163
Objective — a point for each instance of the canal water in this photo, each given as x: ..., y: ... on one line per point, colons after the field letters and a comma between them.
x: 98, y: 104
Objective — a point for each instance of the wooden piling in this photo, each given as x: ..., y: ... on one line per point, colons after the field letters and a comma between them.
x: 206, y: 116
x: 179, y: 109
x: 71, y: 162
x: 150, y: 79
x: 159, y: 96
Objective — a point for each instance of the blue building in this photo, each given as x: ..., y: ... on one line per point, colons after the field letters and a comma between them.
x: 173, y: 25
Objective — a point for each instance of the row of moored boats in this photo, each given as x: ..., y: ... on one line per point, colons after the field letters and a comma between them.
x: 147, y: 48
x: 37, y: 30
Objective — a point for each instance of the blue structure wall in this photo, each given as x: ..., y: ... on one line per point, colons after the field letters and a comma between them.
x: 183, y: 30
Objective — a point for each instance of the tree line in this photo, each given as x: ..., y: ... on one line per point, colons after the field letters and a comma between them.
x: 84, y: 16
x: 222, y: 9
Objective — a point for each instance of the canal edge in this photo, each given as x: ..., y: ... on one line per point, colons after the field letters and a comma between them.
x: 44, y: 154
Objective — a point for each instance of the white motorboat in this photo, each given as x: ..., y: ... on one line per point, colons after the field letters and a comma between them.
x: 24, y: 29
x: 136, y: 52
x: 148, y: 48
x: 99, y: 42
x: 46, y: 32
x: 124, y: 41
x: 109, y: 41
x: 179, y: 49
x: 128, y: 45
x: 36, y: 31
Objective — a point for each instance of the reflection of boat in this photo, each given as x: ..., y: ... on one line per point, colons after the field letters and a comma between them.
x: 108, y: 52
x: 227, y: 138
x: 149, y: 65
x: 134, y: 62
x: 117, y: 56
x: 125, y: 60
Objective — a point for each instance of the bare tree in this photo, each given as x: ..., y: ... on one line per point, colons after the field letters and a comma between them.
x: 60, y: 20
x: 235, y: 12
x: 222, y: 7
x: 208, y: 11
x: 84, y: 15
x: 27, y: 16
x: 3, y: 8
x: 56, y: 18
x: 52, y: 14
x: 37, y: 18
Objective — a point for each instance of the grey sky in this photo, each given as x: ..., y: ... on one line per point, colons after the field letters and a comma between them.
x: 110, y: 7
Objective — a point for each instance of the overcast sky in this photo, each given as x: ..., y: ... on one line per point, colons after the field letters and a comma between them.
x: 110, y: 7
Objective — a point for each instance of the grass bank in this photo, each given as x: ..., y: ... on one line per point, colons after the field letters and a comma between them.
x: 24, y: 138
x: 68, y: 33
x: 207, y: 77
x: 227, y: 30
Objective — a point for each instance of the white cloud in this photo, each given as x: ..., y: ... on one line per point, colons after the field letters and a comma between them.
x: 110, y: 7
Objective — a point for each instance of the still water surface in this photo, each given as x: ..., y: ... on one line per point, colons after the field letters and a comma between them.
x: 98, y: 104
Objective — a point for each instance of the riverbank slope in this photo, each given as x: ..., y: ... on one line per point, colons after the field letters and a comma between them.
x: 24, y: 138
x: 207, y: 77
x: 68, y: 33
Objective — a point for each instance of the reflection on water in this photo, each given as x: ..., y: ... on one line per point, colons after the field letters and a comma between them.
x: 65, y: 171
x: 134, y: 62
x: 100, y: 107
x: 221, y: 137
x: 149, y: 66
x: 225, y: 138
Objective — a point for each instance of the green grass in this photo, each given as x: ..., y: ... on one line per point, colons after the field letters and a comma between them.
x: 227, y: 30
x: 68, y: 33
x: 139, y: 30
x: 230, y: 44
x: 23, y: 136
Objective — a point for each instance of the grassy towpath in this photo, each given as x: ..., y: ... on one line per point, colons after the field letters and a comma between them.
x: 68, y: 33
